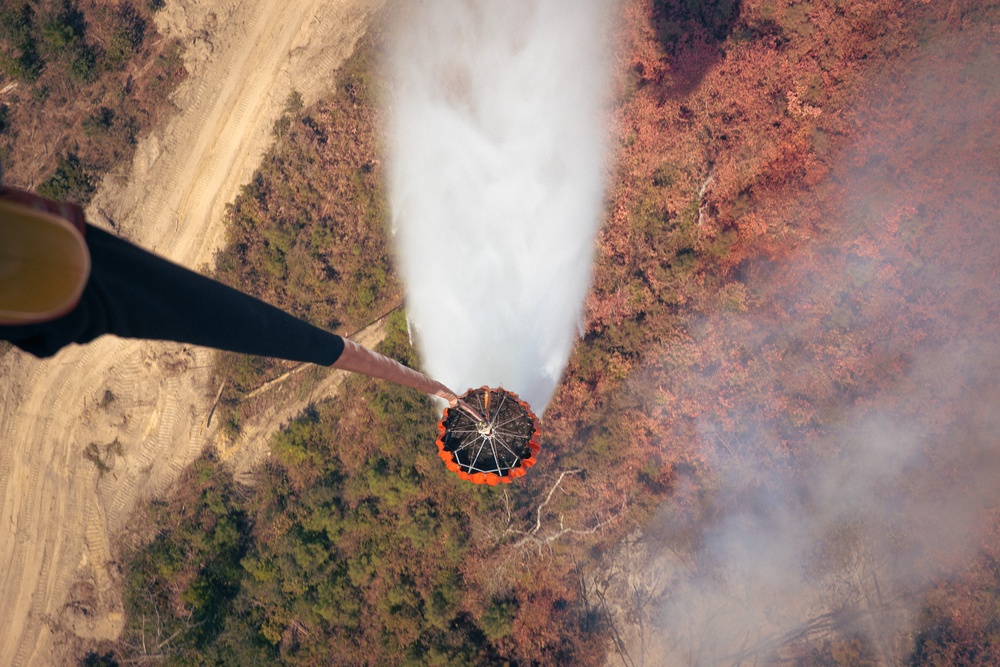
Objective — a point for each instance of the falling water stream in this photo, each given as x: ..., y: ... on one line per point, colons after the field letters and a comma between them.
x: 496, y: 181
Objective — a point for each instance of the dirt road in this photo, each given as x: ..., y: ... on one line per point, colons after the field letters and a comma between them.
x: 87, y: 435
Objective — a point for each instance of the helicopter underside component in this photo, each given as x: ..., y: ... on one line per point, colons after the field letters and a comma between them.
x: 494, y: 450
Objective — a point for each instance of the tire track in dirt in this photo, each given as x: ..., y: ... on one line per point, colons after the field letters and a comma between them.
x: 47, y: 482
x: 57, y: 509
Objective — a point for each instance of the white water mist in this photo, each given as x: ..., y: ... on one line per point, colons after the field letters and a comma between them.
x: 496, y: 181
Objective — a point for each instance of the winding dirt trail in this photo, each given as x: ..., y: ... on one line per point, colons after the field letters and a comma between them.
x: 87, y: 435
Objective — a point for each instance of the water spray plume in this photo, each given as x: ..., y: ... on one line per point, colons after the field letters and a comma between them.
x: 496, y: 180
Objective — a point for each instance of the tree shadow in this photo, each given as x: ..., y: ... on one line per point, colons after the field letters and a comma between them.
x: 691, y: 32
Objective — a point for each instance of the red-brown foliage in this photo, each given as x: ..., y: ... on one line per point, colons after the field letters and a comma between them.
x: 785, y: 243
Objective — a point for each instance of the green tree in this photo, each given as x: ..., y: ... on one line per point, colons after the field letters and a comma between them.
x: 179, y: 588
x: 19, y: 55
x: 71, y: 181
x: 127, y: 35
x: 95, y: 659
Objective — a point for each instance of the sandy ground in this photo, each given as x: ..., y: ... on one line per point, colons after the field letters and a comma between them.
x: 139, y: 408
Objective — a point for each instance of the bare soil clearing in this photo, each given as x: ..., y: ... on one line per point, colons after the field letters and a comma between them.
x: 88, y: 435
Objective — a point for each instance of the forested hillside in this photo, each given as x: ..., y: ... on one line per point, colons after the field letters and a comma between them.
x: 80, y: 81
x: 800, y: 214
x: 309, y: 231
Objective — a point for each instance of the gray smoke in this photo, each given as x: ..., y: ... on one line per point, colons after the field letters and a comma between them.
x: 841, y: 539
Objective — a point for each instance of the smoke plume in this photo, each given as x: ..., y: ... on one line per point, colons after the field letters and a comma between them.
x: 496, y: 181
x: 828, y: 523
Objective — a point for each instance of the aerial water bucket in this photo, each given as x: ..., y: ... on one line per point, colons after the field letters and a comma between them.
x: 494, y: 447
